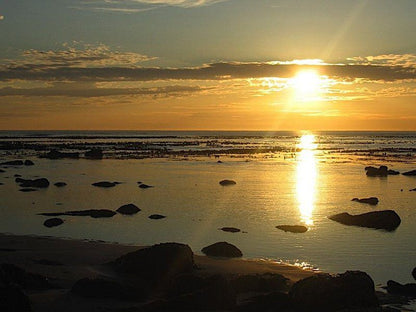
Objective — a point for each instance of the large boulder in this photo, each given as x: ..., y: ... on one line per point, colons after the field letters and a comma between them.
x: 95, y: 153
x: 103, y: 288
x: 227, y: 182
x: 53, y: 222
x: 410, y: 173
x: 382, y: 171
x: 386, y: 219
x: 93, y: 213
x: 11, y: 274
x: 13, y: 299
x: 39, y: 183
x: 159, y: 263
x: 324, y: 292
x: 128, y: 209
x: 222, y: 249
x: 293, y: 228
x: 396, y: 288
x: 368, y: 200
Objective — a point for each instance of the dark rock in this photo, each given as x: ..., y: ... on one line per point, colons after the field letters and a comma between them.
x: 95, y: 153
x: 266, y: 282
x: 39, y: 183
x: 13, y: 299
x: 227, y: 182
x: 11, y: 274
x: 12, y: 163
x: 376, y: 172
x: 414, y: 273
x: 219, y: 162
x: 392, y: 172
x: 60, y: 184
x: 400, y: 289
x: 104, y: 184
x: 222, y: 249
x: 145, y: 186
x: 385, y: 219
x: 292, y: 228
x: 216, y: 295
x: 410, y: 173
x: 230, y: 229
x: 54, y: 154
x: 47, y: 262
x: 273, y: 301
x: 94, y: 213
x: 159, y: 263
x: 17, y: 175
x: 128, y: 209
x: 103, y: 288
x: 53, y: 222
x: 156, y: 216
x: 1, y: 171
x: 323, y: 292
x: 412, y: 190
x: 369, y: 200
x: 1, y: 183
x: 27, y: 190
x: 28, y: 162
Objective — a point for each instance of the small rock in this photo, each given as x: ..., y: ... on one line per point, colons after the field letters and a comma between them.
x: 400, y: 289
x: 156, y: 216
x: 54, y: 154
x: 230, y: 229
x: 376, y: 172
x: 222, y: 249
x: 27, y: 190
x: 292, y: 228
x: 410, y: 173
x: 60, y: 184
x: 12, y: 163
x: 388, y: 220
x: 128, y: 209
x: 53, y: 222
x: 17, y: 175
x: 39, y: 183
x: 93, y: 213
x: 369, y: 200
x: 227, y: 182
x: 95, y: 153
x: 104, y: 184
x: 392, y: 172
x: 145, y: 186
x: 28, y: 162
x: 412, y: 190
x: 1, y: 171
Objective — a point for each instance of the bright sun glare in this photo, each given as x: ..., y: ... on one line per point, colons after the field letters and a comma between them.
x: 306, y: 84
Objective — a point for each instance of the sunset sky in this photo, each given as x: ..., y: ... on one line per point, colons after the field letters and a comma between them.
x: 208, y: 64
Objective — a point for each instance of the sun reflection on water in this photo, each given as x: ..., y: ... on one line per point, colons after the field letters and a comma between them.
x: 306, y: 177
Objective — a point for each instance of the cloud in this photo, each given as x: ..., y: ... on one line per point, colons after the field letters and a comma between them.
x: 90, y: 90
x: 180, y: 3
x: 405, y: 60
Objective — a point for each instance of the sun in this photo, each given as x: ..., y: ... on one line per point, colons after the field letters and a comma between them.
x: 306, y: 84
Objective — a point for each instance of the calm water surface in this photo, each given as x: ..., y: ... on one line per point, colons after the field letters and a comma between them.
x: 303, y: 187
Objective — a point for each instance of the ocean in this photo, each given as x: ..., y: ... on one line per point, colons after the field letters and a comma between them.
x: 281, y: 178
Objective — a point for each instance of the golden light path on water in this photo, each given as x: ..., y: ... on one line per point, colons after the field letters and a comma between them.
x: 306, y: 177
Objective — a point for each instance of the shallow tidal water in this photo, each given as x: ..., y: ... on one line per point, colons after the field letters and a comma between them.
x: 301, y: 190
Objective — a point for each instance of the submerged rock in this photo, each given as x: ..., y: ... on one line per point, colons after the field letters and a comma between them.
x: 369, y: 200
x: 158, y: 263
x: 39, y: 183
x: 293, y: 228
x: 230, y: 229
x: 104, y: 184
x: 54, y: 154
x: 410, y: 173
x: 95, y: 153
x: 382, y: 171
x: 53, y: 222
x: 324, y: 292
x: 94, y: 213
x: 128, y: 209
x: 386, y: 219
x: 156, y: 216
x: 144, y: 186
x: 392, y: 172
x: 60, y: 184
x: 400, y: 289
x: 27, y: 190
x: 222, y: 249
x: 12, y: 163
x: 227, y: 182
